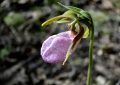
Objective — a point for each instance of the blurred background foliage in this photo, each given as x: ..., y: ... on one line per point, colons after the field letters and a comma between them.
x: 21, y: 37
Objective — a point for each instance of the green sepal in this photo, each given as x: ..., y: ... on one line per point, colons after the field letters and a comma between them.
x: 74, y: 44
x: 68, y: 54
x: 49, y: 21
x: 62, y: 21
x: 81, y: 13
x: 87, y: 24
x: 86, y: 33
x: 71, y: 48
x: 70, y: 13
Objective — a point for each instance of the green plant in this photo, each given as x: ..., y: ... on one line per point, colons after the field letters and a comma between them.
x: 80, y: 25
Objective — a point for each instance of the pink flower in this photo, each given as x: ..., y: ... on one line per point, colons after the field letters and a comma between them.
x: 54, y: 48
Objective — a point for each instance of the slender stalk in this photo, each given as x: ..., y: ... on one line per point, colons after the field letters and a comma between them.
x: 89, y: 75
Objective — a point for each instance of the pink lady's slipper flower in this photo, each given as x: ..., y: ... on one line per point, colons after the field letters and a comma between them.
x: 58, y: 48
x: 55, y: 47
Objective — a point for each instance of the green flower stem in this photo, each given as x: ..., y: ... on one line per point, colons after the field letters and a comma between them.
x: 89, y: 75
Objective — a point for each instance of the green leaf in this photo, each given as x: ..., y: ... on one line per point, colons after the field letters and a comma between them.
x: 70, y: 7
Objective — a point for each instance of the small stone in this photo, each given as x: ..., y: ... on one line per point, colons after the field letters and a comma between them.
x: 101, y: 80
x: 100, y: 52
x: 118, y: 83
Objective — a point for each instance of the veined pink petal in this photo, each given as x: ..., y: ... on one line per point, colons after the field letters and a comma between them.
x: 54, y: 48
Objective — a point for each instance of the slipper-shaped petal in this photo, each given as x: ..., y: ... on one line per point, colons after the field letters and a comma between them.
x: 54, y: 48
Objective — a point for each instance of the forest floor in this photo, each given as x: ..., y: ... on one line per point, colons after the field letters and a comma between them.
x: 21, y: 37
